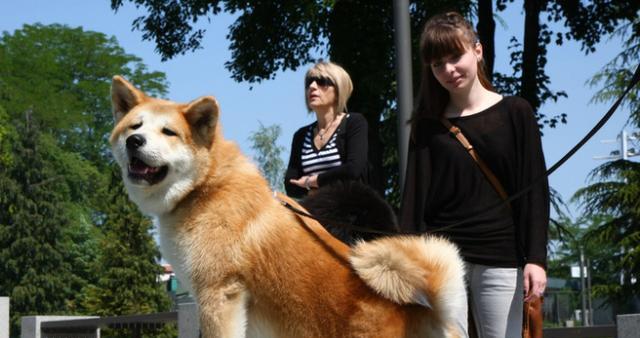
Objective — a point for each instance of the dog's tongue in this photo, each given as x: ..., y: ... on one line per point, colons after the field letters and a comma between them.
x: 140, y: 168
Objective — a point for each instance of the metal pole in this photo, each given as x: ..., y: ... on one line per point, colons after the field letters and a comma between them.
x: 589, y: 304
x: 402, y: 38
x: 585, y: 321
x: 556, y: 302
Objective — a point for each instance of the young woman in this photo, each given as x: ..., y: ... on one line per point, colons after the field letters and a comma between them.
x: 504, y: 248
x: 334, y: 147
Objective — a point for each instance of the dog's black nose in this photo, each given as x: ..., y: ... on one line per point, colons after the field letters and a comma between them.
x: 135, y: 141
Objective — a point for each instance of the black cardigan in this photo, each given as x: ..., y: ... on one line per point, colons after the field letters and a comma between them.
x: 352, y: 146
x: 444, y: 185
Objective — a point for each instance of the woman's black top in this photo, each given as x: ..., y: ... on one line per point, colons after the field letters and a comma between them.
x: 351, y: 144
x: 444, y: 185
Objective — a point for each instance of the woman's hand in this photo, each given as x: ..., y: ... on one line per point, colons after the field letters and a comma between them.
x: 307, y: 182
x: 535, y: 281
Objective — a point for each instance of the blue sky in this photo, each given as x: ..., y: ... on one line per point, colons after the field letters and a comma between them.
x: 281, y: 101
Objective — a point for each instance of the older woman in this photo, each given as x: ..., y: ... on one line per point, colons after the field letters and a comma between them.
x: 334, y: 147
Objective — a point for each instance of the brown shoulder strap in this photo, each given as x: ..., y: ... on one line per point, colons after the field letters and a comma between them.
x: 485, y: 169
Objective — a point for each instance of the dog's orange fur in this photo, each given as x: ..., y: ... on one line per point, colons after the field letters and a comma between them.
x: 256, y: 268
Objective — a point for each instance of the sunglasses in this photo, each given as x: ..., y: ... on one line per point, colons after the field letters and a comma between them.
x: 319, y: 80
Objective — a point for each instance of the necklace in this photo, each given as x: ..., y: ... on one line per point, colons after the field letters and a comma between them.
x: 327, y: 128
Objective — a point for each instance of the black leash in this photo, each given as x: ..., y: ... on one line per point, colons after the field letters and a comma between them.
x: 634, y: 80
x: 348, y: 226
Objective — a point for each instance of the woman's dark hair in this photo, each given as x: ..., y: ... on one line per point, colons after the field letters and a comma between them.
x: 443, y: 35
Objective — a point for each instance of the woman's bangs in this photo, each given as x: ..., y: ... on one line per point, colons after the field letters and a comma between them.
x: 318, y: 72
x: 441, y: 43
x: 313, y: 72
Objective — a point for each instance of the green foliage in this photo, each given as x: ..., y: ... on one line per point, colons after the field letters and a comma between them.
x: 127, y: 265
x: 599, y: 258
x: 271, y: 36
x: 37, y: 205
x: 80, y: 241
x: 615, y: 188
x: 590, y: 21
x: 62, y: 75
x: 170, y: 23
x: 528, y: 78
x: 616, y: 75
x: 7, y: 138
x: 56, y: 231
x: 616, y: 194
x: 269, y: 154
x: 586, y: 21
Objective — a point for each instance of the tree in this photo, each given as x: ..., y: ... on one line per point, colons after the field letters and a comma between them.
x: 601, y: 258
x: 7, y: 138
x: 36, y: 206
x: 528, y: 59
x: 587, y: 22
x: 271, y: 36
x: 61, y: 75
x: 55, y: 168
x: 616, y: 193
x: 128, y: 262
x: 615, y: 75
x: 615, y: 190
x: 269, y: 154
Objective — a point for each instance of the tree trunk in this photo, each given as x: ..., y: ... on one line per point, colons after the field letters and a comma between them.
x: 530, y: 53
x: 486, y: 31
x: 363, y: 45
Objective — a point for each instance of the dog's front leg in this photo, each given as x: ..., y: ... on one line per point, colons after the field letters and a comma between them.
x: 223, y: 312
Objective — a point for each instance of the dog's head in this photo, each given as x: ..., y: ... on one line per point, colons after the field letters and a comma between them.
x: 162, y: 146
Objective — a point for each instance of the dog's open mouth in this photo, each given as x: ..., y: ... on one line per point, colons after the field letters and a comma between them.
x: 138, y: 170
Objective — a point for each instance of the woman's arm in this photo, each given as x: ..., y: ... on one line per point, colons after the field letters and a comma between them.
x: 416, y: 185
x: 533, y: 219
x: 534, y: 215
x: 294, y: 169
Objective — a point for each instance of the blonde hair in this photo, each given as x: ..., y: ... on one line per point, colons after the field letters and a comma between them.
x: 341, y: 81
x: 443, y: 35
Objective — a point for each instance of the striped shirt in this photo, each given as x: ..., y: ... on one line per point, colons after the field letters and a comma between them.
x: 344, y: 157
x: 316, y: 161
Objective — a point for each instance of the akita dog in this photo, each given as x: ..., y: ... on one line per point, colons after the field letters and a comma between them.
x: 255, y: 268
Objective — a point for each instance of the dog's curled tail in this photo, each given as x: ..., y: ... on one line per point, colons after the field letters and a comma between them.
x: 424, y: 270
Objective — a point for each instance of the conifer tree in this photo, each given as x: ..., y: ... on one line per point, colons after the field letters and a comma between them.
x: 32, y: 217
x: 614, y: 192
x: 54, y: 176
x: 128, y: 263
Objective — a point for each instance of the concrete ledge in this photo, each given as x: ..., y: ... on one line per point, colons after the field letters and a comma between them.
x: 4, y: 317
x: 628, y: 325
x: 188, y: 321
x: 30, y: 325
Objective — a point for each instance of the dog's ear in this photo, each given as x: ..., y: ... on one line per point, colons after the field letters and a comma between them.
x: 202, y: 115
x: 124, y: 96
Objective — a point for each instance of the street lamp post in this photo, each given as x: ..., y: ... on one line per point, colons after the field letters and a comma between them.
x: 402, y: 38
x: 583, y: 291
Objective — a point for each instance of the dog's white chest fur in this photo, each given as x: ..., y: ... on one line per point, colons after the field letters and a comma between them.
x: 172, y: 249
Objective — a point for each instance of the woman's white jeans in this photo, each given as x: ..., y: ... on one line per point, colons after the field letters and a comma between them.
x: 496, y: 299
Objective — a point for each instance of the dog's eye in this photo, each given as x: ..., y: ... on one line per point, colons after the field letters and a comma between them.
x: 169, y: 132
x: 136, y: 126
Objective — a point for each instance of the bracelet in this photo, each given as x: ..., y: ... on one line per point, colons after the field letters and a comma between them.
x: 306, y: 183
